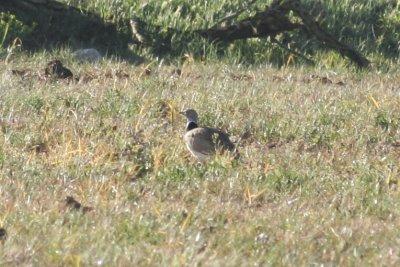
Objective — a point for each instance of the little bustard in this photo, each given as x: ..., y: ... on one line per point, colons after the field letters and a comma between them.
x: 203, y: 142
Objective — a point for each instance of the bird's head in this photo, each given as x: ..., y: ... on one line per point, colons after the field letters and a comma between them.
x: 190, y: 114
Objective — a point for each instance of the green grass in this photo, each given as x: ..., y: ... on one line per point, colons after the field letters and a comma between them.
x: 370, y: 26
x: 326, y: 193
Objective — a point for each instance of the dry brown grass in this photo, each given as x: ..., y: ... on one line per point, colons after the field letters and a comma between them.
x: 317, y: 182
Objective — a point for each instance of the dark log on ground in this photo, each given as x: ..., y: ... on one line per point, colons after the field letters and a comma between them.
x: 326, y: 38
x: 270, y: 22
x: 59, y: 24
x: 274, y: 20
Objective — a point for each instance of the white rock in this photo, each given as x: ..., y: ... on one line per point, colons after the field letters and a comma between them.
x: 87, y: 55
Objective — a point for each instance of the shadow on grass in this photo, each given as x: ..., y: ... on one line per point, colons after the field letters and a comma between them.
x: 53, y: 24
x: 370, y: 26
x: 369, y: 29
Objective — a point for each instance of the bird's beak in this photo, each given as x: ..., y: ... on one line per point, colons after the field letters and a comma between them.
x: 182, y: 113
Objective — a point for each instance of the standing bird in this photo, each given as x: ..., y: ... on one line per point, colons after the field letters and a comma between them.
x: 203, y: 142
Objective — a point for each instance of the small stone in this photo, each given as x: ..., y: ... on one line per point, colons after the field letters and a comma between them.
x: 56, y: 69
x: 262, y: 238
x: 87, y: 55
x: 147, y: 71
x: 3, y: 234
x: 71, y: 203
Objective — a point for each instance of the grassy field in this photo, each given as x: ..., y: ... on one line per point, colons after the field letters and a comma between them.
x: 318, y: 178
x: 317, y: 181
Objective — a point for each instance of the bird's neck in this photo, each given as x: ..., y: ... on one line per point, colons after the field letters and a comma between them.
x: 191, y: 125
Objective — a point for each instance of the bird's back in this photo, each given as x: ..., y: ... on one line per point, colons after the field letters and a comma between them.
x: 206, y: 141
